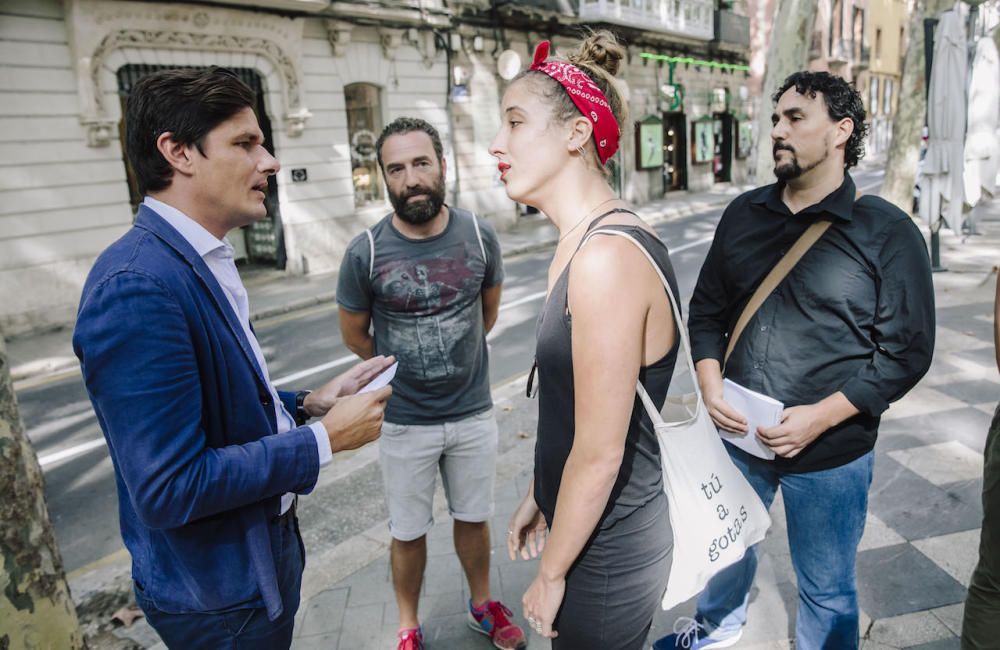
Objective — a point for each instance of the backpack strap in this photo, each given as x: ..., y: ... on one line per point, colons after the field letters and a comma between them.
x: 371, y: 253
x: 479, y: 236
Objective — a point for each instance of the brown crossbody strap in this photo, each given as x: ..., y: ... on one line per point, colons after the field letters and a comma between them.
x: 774, y: 278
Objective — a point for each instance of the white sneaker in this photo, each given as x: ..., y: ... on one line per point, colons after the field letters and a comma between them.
x: 688, y: 635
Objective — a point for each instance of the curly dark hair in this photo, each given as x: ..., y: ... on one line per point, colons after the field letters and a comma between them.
x: 404, y: 125
x: 842, y: 100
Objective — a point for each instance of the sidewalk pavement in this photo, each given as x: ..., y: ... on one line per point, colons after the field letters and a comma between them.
x: 47, y: 355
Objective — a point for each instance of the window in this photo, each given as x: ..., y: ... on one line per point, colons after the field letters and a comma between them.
x: 857, y: 33
x: 878, y: 43
x: 364, y: 123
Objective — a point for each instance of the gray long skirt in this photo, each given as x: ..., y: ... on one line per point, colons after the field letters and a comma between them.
x: 615, y: 586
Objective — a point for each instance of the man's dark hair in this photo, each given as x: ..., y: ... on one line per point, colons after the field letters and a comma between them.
x: 842, y: 100
x: 188, y: 103
x: 404, y: 125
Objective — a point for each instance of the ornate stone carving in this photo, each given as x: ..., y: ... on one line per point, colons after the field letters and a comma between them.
x: 295, y: 122
x: 423, y: 41
x: 390, y: 39
x: 339, y: 34
x: 101, y: 27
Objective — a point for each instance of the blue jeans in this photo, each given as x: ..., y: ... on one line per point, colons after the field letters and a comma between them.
x: 242, y: 629
x: 826, y: 512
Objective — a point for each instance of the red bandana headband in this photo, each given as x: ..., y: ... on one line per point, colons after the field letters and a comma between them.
x: 587, y: 97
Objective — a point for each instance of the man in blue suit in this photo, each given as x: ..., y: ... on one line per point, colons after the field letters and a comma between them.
x: 208, y: 456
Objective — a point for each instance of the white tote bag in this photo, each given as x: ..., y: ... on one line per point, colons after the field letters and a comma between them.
x: 714, y: 513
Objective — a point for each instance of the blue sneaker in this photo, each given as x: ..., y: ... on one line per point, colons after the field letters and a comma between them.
x: 689, y: 634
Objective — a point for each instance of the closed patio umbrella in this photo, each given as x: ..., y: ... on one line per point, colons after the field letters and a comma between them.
x: 946, y: 112
x: 982, y: 148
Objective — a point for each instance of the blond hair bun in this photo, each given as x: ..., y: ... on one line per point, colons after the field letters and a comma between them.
x: 600, y: 50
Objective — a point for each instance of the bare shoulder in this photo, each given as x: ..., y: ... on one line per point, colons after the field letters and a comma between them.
x: 604, y: 268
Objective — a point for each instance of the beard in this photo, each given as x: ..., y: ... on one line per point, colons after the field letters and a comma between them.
x: 417, y: 213
x: 791, y: 169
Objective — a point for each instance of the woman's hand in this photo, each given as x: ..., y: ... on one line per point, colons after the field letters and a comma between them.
x: 527, y: 530
x: 541, y: 604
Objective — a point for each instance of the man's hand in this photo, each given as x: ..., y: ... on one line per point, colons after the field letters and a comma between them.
x: 318, y: 402
x: 710, y: 381
x: 356, y: 420
x: 801, y: 425
x: 724, y: 415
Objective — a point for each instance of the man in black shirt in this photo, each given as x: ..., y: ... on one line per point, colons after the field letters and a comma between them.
x: 849, y: 330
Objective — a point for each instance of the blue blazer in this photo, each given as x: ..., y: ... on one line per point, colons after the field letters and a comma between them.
x: 190, y: 425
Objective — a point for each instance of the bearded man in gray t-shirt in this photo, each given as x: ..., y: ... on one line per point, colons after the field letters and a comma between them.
x: 427, y: 279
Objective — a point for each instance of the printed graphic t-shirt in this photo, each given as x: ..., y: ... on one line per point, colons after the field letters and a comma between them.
x: 425, y: 298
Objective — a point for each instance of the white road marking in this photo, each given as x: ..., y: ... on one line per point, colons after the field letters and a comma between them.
x: 329, y: 365
x: 522, y: 300
x: 50, y: 459
x: 691, y: 244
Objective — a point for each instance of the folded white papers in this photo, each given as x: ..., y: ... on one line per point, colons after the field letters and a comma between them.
x: 759, y: 411
x: 381, y: 380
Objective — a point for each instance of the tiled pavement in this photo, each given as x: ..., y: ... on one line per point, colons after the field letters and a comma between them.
x: 919, y: 547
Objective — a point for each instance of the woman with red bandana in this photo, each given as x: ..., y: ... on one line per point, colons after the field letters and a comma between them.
x: 596, y: 511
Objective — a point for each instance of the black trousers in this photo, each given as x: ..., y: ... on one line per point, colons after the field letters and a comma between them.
x: 981, y: 624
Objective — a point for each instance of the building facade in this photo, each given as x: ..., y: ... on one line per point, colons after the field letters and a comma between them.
x: 328, y: 76
x: 863, y: 41
x: 886, y: 38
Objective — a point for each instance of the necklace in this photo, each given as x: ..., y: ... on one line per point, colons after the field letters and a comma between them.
x: 592, y: 211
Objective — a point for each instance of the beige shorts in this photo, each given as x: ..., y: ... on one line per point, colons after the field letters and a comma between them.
x: 410, y: 455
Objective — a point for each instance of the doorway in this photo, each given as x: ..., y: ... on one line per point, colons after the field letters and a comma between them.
x: 674, y: 152
x: 722, y: 162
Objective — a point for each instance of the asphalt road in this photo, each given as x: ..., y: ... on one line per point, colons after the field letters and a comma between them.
x: 80, y: 488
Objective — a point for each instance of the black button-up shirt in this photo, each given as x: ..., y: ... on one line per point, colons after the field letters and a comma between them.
x: 855, y: 315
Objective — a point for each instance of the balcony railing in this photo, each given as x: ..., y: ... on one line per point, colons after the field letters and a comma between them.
x: 688, y: 18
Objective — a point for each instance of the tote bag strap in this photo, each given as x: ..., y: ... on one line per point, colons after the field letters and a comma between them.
x: 774, y: 278
x: 651, y: 409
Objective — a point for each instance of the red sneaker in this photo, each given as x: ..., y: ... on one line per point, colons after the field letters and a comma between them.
x: 495, y: 622
x: 411, y: 639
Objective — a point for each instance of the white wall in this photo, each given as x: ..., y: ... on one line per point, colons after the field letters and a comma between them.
x: 319, y: 215
x: 61, y: 202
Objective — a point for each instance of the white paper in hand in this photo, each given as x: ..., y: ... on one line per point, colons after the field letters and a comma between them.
x: 759, y: 410
x: 381, y: 380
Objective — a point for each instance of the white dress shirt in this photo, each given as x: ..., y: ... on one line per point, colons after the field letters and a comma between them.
x: 218, y: 256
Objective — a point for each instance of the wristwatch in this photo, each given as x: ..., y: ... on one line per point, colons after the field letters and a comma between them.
x: 301, y: 416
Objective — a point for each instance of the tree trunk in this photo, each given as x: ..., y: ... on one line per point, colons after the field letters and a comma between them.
x: 36, y: 610
x: 904, y: 149
x: 791, y: 36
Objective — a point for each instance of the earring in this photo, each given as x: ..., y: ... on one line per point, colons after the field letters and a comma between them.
x: 583, y: 154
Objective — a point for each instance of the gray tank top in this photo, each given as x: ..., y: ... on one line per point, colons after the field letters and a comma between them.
x: 640, y: 478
